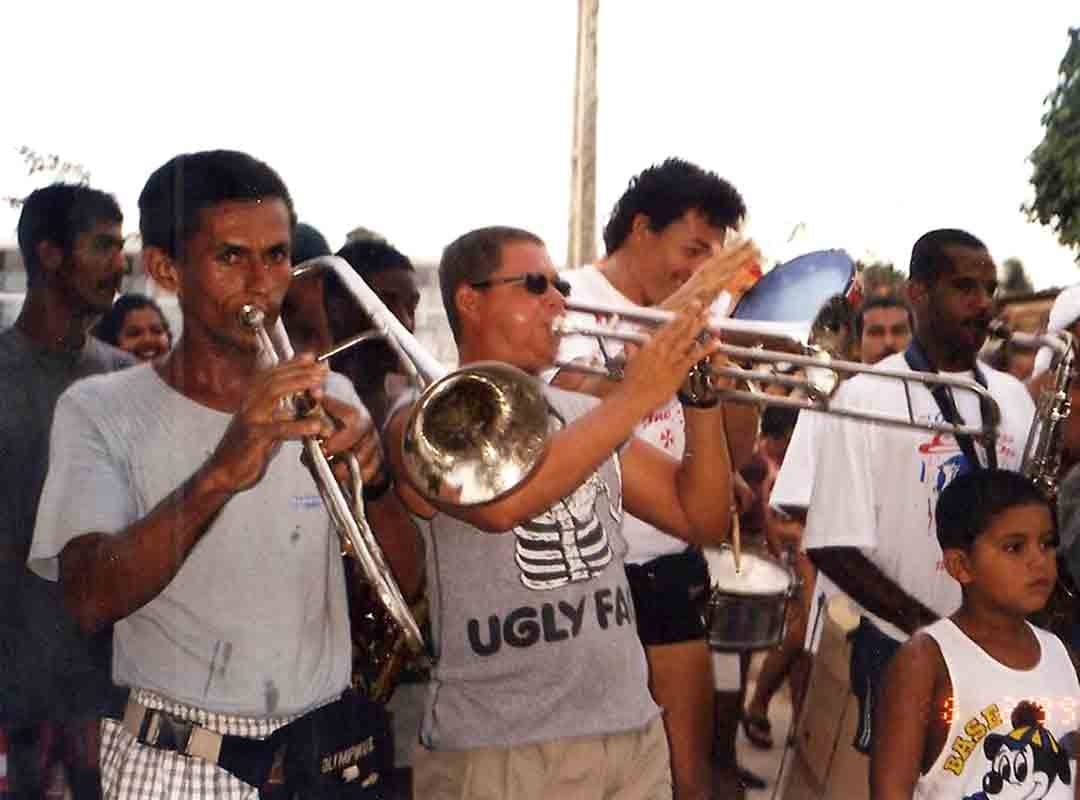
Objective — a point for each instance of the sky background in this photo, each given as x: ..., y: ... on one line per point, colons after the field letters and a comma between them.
x: 863, y: 123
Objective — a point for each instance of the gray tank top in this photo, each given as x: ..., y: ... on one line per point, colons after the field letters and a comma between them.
x: 534, y: 628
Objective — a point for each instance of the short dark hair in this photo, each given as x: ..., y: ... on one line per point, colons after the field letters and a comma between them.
x: 778, y: 421
x: 308, y: 243
x: 890, y: 300
x: 369, y: 256
x: 665, y: 192
x: 475, y: 257
x: 928, y: 258
x: 109, y: 326
x: 970, y: 503
x: 834, y: 314
x: 174, y: 196
x: 59, y: 213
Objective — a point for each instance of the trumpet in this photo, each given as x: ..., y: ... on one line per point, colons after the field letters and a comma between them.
x: 757, y: 366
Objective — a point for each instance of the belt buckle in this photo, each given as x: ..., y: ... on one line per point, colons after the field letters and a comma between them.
x: 172, y: 733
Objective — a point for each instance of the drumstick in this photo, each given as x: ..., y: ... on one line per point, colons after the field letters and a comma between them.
x: 736, y: 547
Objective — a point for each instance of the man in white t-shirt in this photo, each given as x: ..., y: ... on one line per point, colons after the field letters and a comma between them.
x: 882, y: 327
x: 660, y: 243
x: 177, y: 509
x: 870, y: 525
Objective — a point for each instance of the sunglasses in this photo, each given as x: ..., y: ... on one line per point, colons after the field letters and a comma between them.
x: 535, y: 282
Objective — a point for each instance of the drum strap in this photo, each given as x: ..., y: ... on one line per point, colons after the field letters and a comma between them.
x: 918, y: 361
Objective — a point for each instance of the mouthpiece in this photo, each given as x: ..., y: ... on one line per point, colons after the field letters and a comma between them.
x: 252, y: 316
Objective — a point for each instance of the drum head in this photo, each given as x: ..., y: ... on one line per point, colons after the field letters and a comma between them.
x: 795, y: 290
x: 756, y: 576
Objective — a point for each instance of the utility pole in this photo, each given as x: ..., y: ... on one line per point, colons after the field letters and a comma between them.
x: 581, y: 247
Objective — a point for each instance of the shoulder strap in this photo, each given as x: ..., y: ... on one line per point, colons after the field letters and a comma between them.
x: 918, y: 361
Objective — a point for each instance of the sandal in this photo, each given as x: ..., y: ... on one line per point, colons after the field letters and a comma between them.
x: 758, y: 731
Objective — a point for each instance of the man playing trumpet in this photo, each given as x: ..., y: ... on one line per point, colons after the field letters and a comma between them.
x: 177, y: 506
x: 540, y: 688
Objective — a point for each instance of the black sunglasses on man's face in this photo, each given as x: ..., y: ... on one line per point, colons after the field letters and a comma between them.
x: 535, y: 282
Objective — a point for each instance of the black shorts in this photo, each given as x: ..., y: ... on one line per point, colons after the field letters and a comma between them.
x: 670, y: 597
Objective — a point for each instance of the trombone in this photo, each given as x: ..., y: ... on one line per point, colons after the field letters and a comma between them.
x: 818, y: 388
x: 474, y: 433
x: 347, y: 513
x: 447, y: 457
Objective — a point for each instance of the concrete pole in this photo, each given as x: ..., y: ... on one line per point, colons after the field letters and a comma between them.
x: 581, y: 247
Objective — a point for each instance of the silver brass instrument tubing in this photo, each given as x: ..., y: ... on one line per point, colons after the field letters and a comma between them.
x: 1045, y: 444
x: 475, y: 433
x: 819, y: 396
x: 357, y: 538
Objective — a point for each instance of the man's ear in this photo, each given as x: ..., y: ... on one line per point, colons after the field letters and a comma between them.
x: 640, y: 226
x: 958, y: 565
x: 50, y: 256
x: 160, y: 266
x: 469, y: 303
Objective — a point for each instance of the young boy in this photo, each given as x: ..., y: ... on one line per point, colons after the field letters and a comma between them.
x: 975, y: 706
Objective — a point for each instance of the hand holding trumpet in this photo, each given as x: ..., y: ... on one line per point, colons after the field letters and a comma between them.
x: 266, y: 418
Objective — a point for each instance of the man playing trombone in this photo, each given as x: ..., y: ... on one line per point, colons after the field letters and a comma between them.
x: 540, y: 682
x: 177, y: 507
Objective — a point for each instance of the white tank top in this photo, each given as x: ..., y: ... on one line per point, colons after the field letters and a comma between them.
x: 992, y: 751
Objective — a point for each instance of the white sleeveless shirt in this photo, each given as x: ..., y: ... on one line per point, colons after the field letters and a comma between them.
x: 663, y: 428
x: 987, y: 754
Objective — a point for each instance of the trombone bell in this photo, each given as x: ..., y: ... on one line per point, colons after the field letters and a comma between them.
x: 476, y: 434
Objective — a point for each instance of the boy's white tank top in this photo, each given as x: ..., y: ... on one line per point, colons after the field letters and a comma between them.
x: 986, y: 755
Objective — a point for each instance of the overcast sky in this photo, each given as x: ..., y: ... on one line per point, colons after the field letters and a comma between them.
x: 867, y: 122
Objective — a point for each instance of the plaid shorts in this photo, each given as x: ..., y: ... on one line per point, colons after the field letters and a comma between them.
x: 130, y: 769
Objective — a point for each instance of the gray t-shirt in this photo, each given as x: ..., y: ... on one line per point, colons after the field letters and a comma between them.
x: 534, y: 628
x: 47, y: 669
x: 255, y: 621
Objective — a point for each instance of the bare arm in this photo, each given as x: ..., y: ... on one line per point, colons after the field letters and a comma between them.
x: 741, y: 422
x: 849, y: 569
x: 577, y: 450
x: 107, y: 576
x: 908, y: 735
x: 691, y: 499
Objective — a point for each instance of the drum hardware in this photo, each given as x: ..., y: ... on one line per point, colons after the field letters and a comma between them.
x: 747, y: 608
x: 796, y: 719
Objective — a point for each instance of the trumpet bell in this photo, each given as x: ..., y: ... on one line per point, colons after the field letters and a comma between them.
x: 476, y: 434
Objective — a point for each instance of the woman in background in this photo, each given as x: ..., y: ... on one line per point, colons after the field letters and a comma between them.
x: 137, y: 325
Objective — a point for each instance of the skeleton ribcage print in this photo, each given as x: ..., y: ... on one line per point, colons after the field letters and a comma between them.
x: 567, y: 542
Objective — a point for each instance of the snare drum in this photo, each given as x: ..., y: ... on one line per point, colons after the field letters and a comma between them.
x: 747, y: 608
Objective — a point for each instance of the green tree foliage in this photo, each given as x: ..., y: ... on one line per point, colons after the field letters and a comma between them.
x: 1056, y: 161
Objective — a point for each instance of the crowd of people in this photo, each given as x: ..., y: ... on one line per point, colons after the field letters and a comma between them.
x: 179, y: 620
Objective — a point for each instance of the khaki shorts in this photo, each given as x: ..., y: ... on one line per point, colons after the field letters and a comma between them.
x: 623, y: 766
